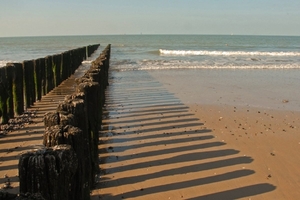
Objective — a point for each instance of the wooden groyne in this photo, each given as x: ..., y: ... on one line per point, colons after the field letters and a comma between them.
x: 22, y: 84
x: 66, y: 167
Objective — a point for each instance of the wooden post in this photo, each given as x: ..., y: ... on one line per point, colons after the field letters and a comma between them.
x: 73, y: 136
x: 7, y: 196
x: 61, y: 78
x: 74, y: 107
x: 74, y: 57
x: 66, y: 72
x: 51, y: 119
x: 93, y: 112
x: 10, y: 70
x: 56, y: 68
x: 3, y: 96
x: 49, y: 74
x: 43, y: 76
x: 29, y: 196
x: 17, y: 88
x: 28, y: 69
x: 38, y: 78
x: 48, y: 171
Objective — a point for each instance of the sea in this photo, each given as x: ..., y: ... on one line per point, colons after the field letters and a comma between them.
x: 155, y: 52
x: 261, y: 70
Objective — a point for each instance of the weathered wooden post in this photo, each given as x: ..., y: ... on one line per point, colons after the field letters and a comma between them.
x: 72, y: 112
x: 3, y: 96
x: 83, y: 54
x: 51, y: 119
x: 4, y: 195
x: 38, y: 78
x: 76, y: 59
x: 61, y: 78
x: 86, y: 51
x: 42, y: 68
x: 70, y: 64
x: 49, y: 74
x: 56, y: 67
x: 91, y: 91
x: 17, y: 88
x: 48, y: 171
x: 102, y: 81
x: 74, y: 55
x: 75, y: 105
x: 28, y: 72
x: 29, y: 196
x: 10, y: 70
x: 66, y: 72
x: 73, y: 136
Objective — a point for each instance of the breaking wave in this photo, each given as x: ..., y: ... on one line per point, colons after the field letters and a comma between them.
x: 225, y: 53
x: 128, y: 65
x: 3, y: 62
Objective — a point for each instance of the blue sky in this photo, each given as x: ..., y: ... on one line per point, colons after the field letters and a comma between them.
x: 98, y: 17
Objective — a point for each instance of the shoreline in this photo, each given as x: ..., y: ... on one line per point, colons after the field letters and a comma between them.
x: 261, y: 89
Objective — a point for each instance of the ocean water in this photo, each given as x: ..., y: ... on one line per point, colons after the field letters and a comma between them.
x: 154, y: 52
x: 259, y: 71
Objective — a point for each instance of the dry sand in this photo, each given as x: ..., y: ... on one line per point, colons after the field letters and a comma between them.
x: 271, y: 138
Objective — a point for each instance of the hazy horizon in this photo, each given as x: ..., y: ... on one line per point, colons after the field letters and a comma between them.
x: 147, y: 35
x: 133, y: 17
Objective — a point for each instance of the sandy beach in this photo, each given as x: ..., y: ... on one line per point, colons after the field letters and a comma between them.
x: 165, y: 141
x: 168, y: 136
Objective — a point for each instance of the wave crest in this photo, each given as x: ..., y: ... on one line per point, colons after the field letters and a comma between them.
x: 225, y: 53
x: 181, y: 67
x: 3, y: 62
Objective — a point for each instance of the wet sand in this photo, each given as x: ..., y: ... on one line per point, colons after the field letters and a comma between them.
x: 164, y: 139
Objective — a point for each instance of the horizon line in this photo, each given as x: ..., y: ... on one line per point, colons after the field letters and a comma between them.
x: 149, y: 34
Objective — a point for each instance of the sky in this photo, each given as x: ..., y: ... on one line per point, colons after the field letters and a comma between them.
x: 113, y: 17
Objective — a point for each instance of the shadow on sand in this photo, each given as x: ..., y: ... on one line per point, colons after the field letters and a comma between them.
x: 152, y: 147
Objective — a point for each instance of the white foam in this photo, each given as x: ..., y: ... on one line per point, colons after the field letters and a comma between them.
x: 3, y: 62
x: 174, y: 67
x: 226, y: 53
x: 87, y: 61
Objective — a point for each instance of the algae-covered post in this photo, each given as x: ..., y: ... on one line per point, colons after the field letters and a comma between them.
x: 73, y: 136
x: 49, y: 74
x: 17, y: 88
x: 66, y: 66
x: 38, y: 78
x: 29, y: 87
x: 9, y: 102
x: 22, y: 84
x: 76, y: 122
x: 56, y: 68
x: 48, y: 171
x: 3, y: 96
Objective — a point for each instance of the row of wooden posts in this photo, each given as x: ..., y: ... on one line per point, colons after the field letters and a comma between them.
x: 21, y: 84
x: 68, y: 164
